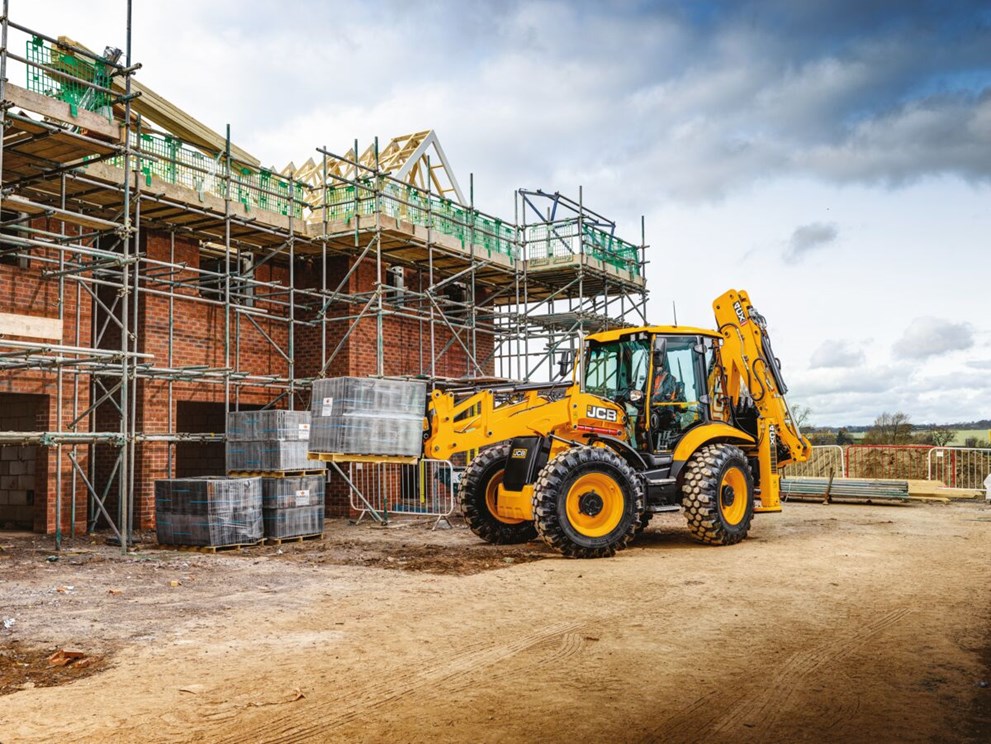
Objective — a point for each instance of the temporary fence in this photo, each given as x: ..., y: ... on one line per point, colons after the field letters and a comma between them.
x: 826, y: 461
x: 427, y: 488
x: 887, y: 461
x: 961, y: 468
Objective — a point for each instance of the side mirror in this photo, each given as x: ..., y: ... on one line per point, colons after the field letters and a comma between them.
x: 565, y: 363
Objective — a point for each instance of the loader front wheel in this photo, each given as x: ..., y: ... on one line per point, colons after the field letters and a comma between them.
x: 718, y: 495
x: 587, y: 502
x: 478, y: 494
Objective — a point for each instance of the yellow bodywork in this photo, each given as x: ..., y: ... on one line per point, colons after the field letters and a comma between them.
x: 476, y: 421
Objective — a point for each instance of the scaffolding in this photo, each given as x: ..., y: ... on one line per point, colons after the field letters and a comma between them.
x: 373, y: 262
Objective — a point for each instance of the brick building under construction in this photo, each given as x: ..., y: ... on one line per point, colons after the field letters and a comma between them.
x: 155, y: 276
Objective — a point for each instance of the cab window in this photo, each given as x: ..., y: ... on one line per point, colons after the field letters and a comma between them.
x: 615, y: 368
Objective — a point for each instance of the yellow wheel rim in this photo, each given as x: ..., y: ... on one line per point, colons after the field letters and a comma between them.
x: 492, y: 498
x: 733, y: 496
x: 594, y: 504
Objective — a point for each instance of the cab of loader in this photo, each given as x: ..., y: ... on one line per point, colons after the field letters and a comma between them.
x: 665, y: 378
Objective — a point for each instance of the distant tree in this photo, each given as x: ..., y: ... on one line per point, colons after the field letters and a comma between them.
x: 801, y: 415
x: 819, y: 437
x: 937, y: 436
x: 843, y: 437
x: 890, y: 428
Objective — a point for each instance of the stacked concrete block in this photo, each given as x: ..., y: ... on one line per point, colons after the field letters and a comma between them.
x: 17, y: 483
x: 268, y: 441
x: 293, y: 506
x: 208, y: 511
x: 364, y: 416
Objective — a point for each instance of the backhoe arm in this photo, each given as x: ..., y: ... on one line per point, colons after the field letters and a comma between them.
x: 750, y: 364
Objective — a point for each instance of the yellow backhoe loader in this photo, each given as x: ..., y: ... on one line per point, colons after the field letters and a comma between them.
x: 654, y: 419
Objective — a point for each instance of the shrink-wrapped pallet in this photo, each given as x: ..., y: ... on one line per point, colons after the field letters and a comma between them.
x: 273, y: 425
x: 364, y: 416
x: 267, y: 441
x: 208, y: 511
x: 293, y: 506
x: 268, y: 456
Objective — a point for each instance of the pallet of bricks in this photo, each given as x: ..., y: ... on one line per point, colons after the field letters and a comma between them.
x: 208, y: 512
x: 368, y: 420
x: 272, y: 445
x: 355, y: 416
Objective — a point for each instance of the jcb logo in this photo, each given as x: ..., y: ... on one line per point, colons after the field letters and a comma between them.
x: 740, y: 315
x: 519, y: 453
x: 601, y: 412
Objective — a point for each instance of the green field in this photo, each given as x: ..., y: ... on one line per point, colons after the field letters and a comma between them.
x: 962, y: 435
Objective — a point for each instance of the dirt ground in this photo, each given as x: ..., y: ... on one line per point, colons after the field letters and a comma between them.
x: 830, y: 623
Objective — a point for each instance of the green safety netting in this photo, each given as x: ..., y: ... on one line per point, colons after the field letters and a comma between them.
x: 407, y: 203
x: 68, y: 78
x: 175, y: 162
x: 547, y: 240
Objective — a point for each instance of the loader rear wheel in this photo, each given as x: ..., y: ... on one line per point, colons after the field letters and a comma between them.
x: 718, y: 495
x: 478, y: 494
x: 587, y: 502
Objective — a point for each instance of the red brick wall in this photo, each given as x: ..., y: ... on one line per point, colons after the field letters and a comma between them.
x: 25, y: 291
x: 197, y: 340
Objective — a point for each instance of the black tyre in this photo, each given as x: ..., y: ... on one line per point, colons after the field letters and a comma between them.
x: 587, y: 502
x: 478, y: 494
x: 718, y: 495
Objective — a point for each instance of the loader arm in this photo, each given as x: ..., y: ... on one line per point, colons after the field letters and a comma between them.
x: 750, y: 365
x: 478, y: 420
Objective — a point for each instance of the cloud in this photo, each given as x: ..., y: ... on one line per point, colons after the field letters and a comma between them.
x: 836, y: 354
x: 849, y: 381
x: 927, y: 337
x: 809, y: 238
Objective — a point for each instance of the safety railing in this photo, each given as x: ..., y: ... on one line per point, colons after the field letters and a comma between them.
x: 564, y: 238
x: 426, y: 489
x: 410, y: 204
x: 173, y: 161
x: 59, y: 73
x: 826, y: 461
x: 960, y: 468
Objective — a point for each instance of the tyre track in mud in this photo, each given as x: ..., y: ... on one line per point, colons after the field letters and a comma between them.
x: 756, y: 714
x: 453, y: 674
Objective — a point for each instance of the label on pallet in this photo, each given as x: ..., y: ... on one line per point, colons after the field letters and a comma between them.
x: 328, y: 407
x: 303, y: 497
x: 304, y: 431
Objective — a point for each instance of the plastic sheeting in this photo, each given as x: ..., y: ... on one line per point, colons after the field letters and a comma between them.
x: 363, y: 416
x: 268, y: 441
x: 208, y: 511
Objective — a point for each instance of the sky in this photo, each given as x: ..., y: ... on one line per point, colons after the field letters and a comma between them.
x: 831, y: 158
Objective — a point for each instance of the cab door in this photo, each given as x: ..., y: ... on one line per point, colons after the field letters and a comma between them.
x: 677, y: 397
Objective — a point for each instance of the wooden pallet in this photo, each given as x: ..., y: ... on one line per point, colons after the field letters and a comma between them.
x: 344, y: 457
x: 275, y: 473
x: 210, y: 548
x: 298, y: 539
